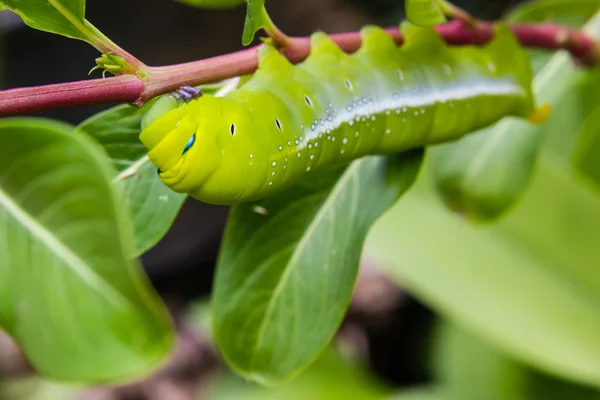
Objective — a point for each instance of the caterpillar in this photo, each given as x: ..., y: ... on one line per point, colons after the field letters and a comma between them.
x: 287, y: 121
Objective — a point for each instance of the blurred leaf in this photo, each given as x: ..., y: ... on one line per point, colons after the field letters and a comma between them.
x: 586, y: 155
x: 528, y: 284
x: 75, y: 304
x: 40, y: 14
x: 433, y: 393
x: 34, y: 388
x: 573, y: 13
x: 214, y: 4
x: 468, y: 369
x: 284, y: 279
x: 424, y: 12
x: 330, y: 377
x: 483, y: 174
x: 153, y: 206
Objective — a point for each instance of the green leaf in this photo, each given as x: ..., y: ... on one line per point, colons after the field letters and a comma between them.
x: 288, y: 265
x: 71, y: 298
x: 213, y: 4
x: 528, y: 284
x: 483, y: 174
x: 40, y: 14
x: 332, y: 376
x: 256, y: 19
x: 424, y: 12
x: 153, y: 206
x: 468, y: 369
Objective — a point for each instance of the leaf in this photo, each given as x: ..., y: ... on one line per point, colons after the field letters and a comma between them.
x: 482, y: 175
x: 256, y: 19
x: 212, y: 4
x: 40, y: 14
x: 468, y: 369
x: 71, y: 298
x: 424, y: 12
x: 288, y: 265
x: 528, y: 284
x: 153, y: 206
x: 331, y: 377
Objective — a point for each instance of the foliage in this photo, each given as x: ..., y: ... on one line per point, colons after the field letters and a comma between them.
x: 67, y: 283
x: 519, y: 297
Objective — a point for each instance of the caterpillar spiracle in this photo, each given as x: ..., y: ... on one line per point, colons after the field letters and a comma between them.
x: 287, y: 121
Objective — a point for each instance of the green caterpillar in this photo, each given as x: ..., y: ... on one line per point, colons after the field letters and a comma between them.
x: 287, y: 121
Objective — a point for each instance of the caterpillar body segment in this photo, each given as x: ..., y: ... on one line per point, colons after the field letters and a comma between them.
x: 287, y: 121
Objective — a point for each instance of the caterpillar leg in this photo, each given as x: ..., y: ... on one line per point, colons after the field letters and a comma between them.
x: 540, y: 114
x: 187, y: 93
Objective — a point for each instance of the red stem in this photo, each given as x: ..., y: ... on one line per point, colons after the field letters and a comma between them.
x: 128, y: 88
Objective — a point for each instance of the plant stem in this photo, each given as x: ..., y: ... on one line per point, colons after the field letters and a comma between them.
x: 158, y: 80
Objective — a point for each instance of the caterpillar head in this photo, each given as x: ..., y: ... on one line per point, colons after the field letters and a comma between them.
x: 187, y: 143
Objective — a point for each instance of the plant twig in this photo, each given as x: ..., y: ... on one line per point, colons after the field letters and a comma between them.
x: 128, y: 88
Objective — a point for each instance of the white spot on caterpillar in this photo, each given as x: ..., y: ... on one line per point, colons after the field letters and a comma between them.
x: 285, y: 159
x: 273, y: 173
x: 317, y: 144
x: 356, y: 134
x: 285, y: 167
x: 232, y: 129
x: 280, y: 148
x: 398, y: 111
x: 307, y: 169
x: 251, y: 155
x: 373, y: 118
x: 333, y: 138
x: 274, y: 163
x: 278, y: 123
x: 320, y: 136
x: 387, y: 131
x: 491, y: 68
x: 404, y: 109
x: 345, y: 140
x: 298, y: 154
x: 271, y: 183
x: 289, y: 143
x: 308, y: 101
x: 309, y: 146
x: 350, y: 122
x: 312, y: 156
x: 342, y: 151
x: 416, y: 112
x: 387, y: 112
x: 297, y: 142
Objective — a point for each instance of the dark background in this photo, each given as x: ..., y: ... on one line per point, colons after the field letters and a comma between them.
x: 161, y: 32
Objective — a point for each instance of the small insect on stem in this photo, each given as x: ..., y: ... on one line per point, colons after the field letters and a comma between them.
x: 187, y: 93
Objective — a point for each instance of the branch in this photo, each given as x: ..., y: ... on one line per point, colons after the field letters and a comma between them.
x: 159, y: 80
